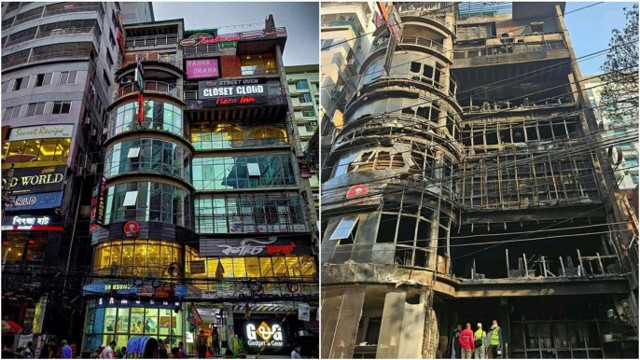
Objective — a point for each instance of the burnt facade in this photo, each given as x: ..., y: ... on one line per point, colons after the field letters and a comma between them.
x: 469, y: 183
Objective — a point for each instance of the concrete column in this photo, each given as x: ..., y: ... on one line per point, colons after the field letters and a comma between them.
x: 401, y: 330
x: 341, y: 311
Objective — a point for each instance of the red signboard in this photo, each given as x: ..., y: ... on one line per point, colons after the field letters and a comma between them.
x: 357, y: 191
x: 131, y: 229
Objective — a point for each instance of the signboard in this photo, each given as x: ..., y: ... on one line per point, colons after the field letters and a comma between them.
x: 252, y: 247
x: 98, y: 204
x: 388, y: 57
x: 304, y: 312
x: 194, y: 317
x: 145, y: 290
x: 206, y: 39
x: 31, y: 222
x: 36, y: 201
x: 130, y: 289
x: 208, y: 294
x: 139, y: 76
x: 36, y: 180
x: 232, y: 91
x: 357, y: 191
x: 264, y: 335
x: 198, y: 267
x: 202, y: 68
x: 41, y: 132
x: 131, y: 229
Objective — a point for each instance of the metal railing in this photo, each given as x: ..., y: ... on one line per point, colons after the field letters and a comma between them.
x: 151, y: 40
x: 151, y: 85
x: 509, y: 49
x: 74, y: 7
x: 60, y: 54
x: 422, y: 10
x: 413, y: 40
x: 172, y: 59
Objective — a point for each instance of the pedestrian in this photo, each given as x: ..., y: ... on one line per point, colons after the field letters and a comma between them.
x: 108, y: 352
x: 295, y: 354
x: 182, y: 354
x: 29, y: 351
x: 162, y: 350
x: 480, y: 337
x: 456, y: 352
x: 201, y: 345
x: 67, y: 353
x: 466, y: 342
x: 175, y: 353
x: 495, y: 341
x: 53, y: 349
x: 96, y: 354
x: 123, y: 351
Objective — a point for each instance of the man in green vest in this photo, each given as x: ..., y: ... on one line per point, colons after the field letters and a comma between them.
x: 480, y: 337
x: 495, y: 341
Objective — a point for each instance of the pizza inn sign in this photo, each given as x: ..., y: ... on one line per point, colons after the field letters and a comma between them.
x: 264, y: 335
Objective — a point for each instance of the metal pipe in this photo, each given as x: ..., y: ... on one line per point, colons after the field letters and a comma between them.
x: 73, y: 236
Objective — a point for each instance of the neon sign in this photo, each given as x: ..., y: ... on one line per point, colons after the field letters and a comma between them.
x: 205, y: 39
x: 264, y: 335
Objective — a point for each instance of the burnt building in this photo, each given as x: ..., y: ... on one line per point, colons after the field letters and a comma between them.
x: 202, y: 221
x: 470, y: 183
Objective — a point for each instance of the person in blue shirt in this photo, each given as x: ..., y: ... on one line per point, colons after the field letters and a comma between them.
x: 67, y: 353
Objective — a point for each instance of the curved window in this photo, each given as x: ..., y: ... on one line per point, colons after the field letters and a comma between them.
x: 242, y: 172
x: 205, y: 135
x: 143, y: 258
x: 119, y: 321
x: 250, y: 213
x: 409, y: 65
x: 158, y: 115
x: 149, y: 201
x: 148, y: 155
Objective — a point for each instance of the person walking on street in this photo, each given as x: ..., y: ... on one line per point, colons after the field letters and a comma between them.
x: 67, y: 353
x: 295, y: 354
x: 162, y: 350
x: 480, y: 337
x: 495, y: 341
x: 182, y: 354
x: 108, y: 353
x: 456, y: 352
x: 201, y: 345
x: 466, y: 342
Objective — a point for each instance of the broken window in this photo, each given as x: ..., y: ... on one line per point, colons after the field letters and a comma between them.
x: 345, y: 228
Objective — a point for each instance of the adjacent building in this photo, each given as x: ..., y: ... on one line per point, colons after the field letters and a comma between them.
x: 468, y: 184
x: 58, y: 64
x: 202, y: 218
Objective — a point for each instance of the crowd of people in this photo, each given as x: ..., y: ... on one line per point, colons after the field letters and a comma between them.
x: 467, y: 344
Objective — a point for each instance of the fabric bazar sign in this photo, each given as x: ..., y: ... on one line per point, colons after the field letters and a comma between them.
x: 252, y: 247
x: 37, y: 179
x: 202, y: 68
x: 41, y: 132
x: 36, y: 201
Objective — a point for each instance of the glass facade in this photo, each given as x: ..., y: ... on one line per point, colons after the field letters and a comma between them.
x: 21, y: 245
x: 148, y: 201
x: 37, y: 150
x: 119, y: 323
x: 259, y: 64
x: 148, y: 155
x: 249, y: 213
x: 249, y: 267
x: 139, y: 257
x: 243, y: 172
x: 158, y: 115
x: 209, y: 136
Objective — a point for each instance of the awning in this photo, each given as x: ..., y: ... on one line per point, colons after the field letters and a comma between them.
x: 9, y: 327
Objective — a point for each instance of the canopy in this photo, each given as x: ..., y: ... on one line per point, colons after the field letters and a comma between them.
x: 9, y: 327
x: 145, y: 346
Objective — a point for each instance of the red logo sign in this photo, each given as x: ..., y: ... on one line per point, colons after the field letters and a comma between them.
x: 131, y: 229
x: 357, y: 191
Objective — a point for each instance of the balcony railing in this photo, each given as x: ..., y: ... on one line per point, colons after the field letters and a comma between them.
x: 172, y: 59
x: 509, y: 49
x: 424, y: 10
x: 60, y: 54
x: 156, y: 86
x: 47, y: 11
x: 151, y: 40
x: 413, y: 40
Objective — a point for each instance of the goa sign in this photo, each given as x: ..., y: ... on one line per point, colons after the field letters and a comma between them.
x: 264, y: 335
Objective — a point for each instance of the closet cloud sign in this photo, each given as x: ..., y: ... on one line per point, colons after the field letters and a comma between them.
x: 232, y: 88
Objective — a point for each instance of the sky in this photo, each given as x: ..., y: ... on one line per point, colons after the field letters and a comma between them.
x: 590, y: 30
x: 300, y: 19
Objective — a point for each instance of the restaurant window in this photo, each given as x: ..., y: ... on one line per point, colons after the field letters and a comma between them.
x: 227, y: 135
x: 33, y: 150
x: 260, y: 64
x: 219, y: 173
x: 146, y: 258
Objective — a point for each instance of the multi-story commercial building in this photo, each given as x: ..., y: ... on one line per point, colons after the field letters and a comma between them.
x: 136, y: 12
x: 345, y: 34
x: 623, y: 128
x: 303, y: 88
x: 467, y: 185
x: 203, y: 211
x: 58, y: 63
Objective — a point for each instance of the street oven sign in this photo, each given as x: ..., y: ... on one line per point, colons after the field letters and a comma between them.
x: 229, y: 92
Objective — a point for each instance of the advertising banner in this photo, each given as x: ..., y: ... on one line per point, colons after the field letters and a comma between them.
x: 202, y: 68
x: 31, y: 222
x: 252, y: 247
x: 41, y: 132
x: 36, y: 180
x: 98, y: 204
x: 36, y: 201
x: 304, y: 312
x: 228, y: 92
x: 194, y: 317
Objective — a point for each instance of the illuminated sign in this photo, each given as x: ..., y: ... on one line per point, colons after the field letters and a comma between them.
x: 36, y: 201
x: 251, y: 247
x: 111, y: 287
x: 41, y: 132
x: 37, y: 179
x: 206, y: 39
x: 131, y: 229
x: 31, y: 223
x: 202, y: 68
x: 231, y: 88
x: 98, y: 204
x: 264, y: 335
